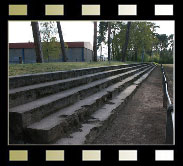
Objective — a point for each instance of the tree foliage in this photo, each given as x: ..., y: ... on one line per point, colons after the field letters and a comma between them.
x: 50, y: 44
x: 142, y: 40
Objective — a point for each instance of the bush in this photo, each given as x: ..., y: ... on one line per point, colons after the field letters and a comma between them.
x: 155, y: 58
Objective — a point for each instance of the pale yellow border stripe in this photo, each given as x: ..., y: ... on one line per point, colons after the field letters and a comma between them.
x: 90, y: 10
x: 18, y: 155
x: 164, y: 155
x: 54, y: 10
x: 127, y: 155
x: 127, y: 9
x: 54, y: 155
x: 164, y: 10
x: 17, y: 10
x: 91, y: 155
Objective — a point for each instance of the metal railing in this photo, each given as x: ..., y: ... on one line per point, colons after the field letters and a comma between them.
x: 170, y: 123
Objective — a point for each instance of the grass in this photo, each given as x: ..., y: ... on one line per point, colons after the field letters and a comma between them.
x: 20, y: 69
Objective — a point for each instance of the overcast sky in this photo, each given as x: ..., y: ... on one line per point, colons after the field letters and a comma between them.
x: 21, y: 31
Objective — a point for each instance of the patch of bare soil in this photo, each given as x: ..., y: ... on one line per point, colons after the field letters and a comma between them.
x: 143, y: 119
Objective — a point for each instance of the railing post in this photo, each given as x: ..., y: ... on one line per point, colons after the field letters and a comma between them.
x: 164, y: 96
x: 169, y: 125
x: 164, y: 87
x: 169, y: 107
x: 164, y: 92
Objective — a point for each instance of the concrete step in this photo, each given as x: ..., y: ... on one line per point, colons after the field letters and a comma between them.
x: 22, y: 95
x: 91, y: 129
x: 67, y: 119
x: 26, y: 114
x: 30, y: 79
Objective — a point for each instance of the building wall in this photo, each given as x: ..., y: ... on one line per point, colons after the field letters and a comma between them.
x: 88, y: 55
x: 74, y: 54
x: 14, y: 55
x: 29, y: 55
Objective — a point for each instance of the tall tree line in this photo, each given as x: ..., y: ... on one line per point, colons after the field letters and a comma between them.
x: 135, y: 41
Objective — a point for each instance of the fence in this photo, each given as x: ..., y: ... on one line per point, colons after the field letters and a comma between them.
x: 170, y: 123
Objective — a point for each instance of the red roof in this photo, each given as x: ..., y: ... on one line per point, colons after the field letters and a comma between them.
x: 21, y: 45
x: 70, y: 45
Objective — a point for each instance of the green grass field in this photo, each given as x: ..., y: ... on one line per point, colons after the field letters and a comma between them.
x: 20, y: 69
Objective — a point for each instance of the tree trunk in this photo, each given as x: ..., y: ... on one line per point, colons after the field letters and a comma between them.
x: 37, y: 42
x: 136, y: 53
x: 109, y: 41
x: 118, y: 54
x: 95, y: 42
x: 101, y: 53
x: 113, y: 52
x: 61, y: 41
x: 113, y: 49
x: 132, y: 58
x: 125, y: 46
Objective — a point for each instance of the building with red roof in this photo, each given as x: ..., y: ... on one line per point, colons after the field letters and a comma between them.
x: 75, y: 51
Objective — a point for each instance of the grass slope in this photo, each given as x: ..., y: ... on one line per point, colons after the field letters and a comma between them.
x: 20, y: 69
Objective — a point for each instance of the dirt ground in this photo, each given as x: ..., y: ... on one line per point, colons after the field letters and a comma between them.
x: 143, y: 119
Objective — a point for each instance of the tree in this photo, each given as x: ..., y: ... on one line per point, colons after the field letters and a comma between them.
x: 106, y: 29
x: 109, y: 41
x: 171, y: 41
x: 101, y: 38
x: 126, y: 41
x: 51, y: 47
x: 142, y: 39
x: 129, y: 40
x: 118, y: 30
x: 95, y: 42
x: 163, y: 41
x: 165, y: 48
x: 61, y: 41
x: 102, y: 33
x: 37, y: 42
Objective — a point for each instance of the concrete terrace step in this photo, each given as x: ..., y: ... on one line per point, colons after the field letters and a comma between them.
x: 30, y: 79
x: 101, y: 118
x: 65, y: 120
x: 26, y: 114
x: 30, y: 93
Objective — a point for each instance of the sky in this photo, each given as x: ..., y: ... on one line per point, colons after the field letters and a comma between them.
x: 21, y: 31
x: 72, y: 31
